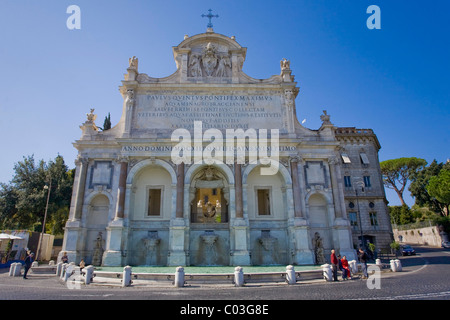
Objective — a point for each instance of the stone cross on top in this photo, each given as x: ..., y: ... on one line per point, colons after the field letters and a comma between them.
x: 210, y: 16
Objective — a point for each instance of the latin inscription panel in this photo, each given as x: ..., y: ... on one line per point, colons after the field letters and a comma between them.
x: 219, y: 111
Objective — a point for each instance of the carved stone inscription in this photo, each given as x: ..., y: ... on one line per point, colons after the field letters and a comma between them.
x: 219, y: 111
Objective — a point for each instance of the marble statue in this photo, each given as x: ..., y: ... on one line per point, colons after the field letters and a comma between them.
x: 91, y: 116
x: 194, y: 64
x: 210, y: 210
x: 224, y: 66
x: 318, y: 249
x: 209, y: 59
x: 98, y: 251
x: 133, y: 63
x: 325, y: 117
x: 285, y: 64
x: 130, y: 97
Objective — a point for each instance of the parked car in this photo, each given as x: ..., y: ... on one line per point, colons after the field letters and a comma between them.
x: 407, y: 250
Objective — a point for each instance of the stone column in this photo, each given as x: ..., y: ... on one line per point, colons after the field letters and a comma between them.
x: 338, y: 173
x: 78, y: 194
x: 120, y: 208
x: 239, y: 236
x: 235, y: 66
x: 180, y: 190
x: 130, y: 101
x: 335, y: 187
x: 73, y: 230
x: 177, y: 232
x: 238, y: 191
x: 184, y: 65
x: 299, y: 227
x: 296, y: 188
x: 113, y: 252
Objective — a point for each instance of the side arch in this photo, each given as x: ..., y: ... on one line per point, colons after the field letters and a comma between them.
x: 151, y: 162
x: 281, y: 169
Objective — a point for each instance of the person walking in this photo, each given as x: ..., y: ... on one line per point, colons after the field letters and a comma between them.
x: 334, y: 264
x: 363, y: 259
x: 28, y: 262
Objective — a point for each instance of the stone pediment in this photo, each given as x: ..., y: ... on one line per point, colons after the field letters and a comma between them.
x: 210, y: 58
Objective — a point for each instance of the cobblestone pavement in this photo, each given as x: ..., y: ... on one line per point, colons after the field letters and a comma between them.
x: 425, y: 276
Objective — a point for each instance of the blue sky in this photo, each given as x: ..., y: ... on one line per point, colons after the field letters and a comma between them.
x: 395, y: 80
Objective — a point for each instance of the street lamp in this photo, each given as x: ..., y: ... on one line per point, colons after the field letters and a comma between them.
x: 359, y: 183
x: 49, y: 187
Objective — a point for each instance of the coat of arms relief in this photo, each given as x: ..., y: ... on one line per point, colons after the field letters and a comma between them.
x: 209, y: 63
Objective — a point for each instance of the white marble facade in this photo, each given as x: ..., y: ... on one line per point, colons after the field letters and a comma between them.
x: 133, y: 204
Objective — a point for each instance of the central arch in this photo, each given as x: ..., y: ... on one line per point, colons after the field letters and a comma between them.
x: 208, y: 209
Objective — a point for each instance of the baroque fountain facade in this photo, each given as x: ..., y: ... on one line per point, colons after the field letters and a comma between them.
x: 153, y: 210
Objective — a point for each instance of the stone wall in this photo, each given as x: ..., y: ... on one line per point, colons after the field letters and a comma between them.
x: 427, y: 236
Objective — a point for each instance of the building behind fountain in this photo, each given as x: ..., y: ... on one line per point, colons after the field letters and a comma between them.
x: 149, y: 210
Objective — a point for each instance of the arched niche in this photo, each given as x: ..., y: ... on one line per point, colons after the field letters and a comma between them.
x: 97, y: 219
x: 209, y: 194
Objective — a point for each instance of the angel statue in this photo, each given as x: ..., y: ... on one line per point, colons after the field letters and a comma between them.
x: 91, y: 116
x: 325, y: 117
x: 285, y: 64
x: 133, y: 63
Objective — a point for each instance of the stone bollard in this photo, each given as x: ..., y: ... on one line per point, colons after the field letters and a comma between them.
x: 63, y: 270
x: 179, y: 277
x: 11, y: 268
x: 398, y: 264
x: 59, y: 267
x: 17, y: 270
x: 88, y: 274
x: 238, y: 277
x: 353, y: 266
x: 126, y: 279
x: 393, y: 266
x: 378, y: 263
x: 290, y: 275
x: 327, y: 273
x: 68, y: 272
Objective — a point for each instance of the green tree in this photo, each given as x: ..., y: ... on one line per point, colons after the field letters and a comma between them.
x: 107, y: 122
x: 23, y: 201
x: 419, y: 184
x: 397, y: 172
x: 401, y: 215
x: 439, y: 188
x: 8, y: 210
x: 28, y: 182
x: 57, y: 221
